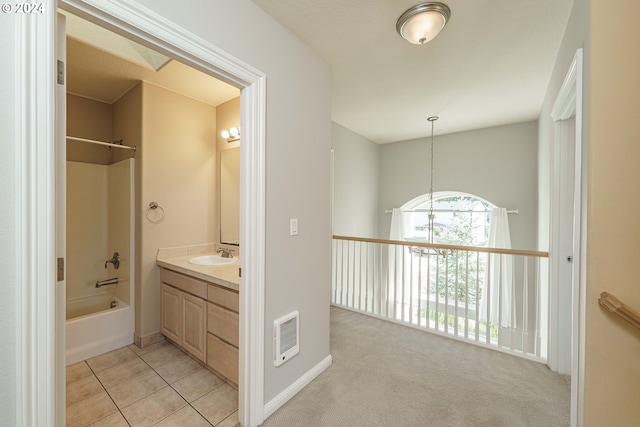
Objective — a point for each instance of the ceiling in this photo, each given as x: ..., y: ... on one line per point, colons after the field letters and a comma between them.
x: 490, y: 65
x: 103, y: 66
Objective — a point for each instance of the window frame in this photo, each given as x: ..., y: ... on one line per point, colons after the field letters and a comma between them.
x: 415, y: 203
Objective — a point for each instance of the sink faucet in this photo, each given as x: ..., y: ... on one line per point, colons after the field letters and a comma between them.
x: 225, y: 252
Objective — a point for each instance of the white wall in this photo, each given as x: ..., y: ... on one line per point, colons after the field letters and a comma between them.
x: 299, y: 113
x: 178, y: 163
x: 559, y: 296
x: 574, y: 38
x: 8, y: 244
x: 610, y: 106
x: 497, y: 164
x: 298, y: 142
x: 355, y: 184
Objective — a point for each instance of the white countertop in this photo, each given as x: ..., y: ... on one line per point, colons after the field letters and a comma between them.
x: 177, y: 259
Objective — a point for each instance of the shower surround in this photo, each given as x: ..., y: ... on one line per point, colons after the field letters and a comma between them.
x: 99, y: 223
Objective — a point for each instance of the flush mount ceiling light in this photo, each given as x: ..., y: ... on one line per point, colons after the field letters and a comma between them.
x: 422, y: 23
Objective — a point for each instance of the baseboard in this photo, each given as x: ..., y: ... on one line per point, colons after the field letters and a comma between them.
x: 143, y: 341
x: 274, y: 404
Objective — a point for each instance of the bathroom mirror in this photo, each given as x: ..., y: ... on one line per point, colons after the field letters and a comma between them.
x: 230, y: 196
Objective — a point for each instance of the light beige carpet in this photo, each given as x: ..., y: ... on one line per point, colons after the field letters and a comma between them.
x: 385, y: 374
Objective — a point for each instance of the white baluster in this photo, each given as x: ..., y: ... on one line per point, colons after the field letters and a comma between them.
x: 466, y: 296
x: 525, y: 310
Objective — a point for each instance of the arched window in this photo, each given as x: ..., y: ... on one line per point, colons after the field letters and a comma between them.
x: 460, y: 218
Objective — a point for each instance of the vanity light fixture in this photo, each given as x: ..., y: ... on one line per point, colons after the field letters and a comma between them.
x: 422, y: 23
x: 231, y: 135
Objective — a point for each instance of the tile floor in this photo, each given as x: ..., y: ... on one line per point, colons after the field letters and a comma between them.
x: 158, y: 385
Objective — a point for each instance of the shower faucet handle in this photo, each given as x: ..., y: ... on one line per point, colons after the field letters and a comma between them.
x: 115, y: 261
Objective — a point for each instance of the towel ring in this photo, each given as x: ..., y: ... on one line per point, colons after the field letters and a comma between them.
x: 154, y: 206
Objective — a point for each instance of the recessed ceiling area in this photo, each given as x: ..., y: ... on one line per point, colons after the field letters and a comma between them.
x: 103, y: 66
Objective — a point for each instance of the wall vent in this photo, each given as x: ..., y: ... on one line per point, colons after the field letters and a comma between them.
x: 285, y: 338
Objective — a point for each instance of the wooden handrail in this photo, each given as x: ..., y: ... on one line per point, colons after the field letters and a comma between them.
x: 539, y: 254
x: 615, y: 306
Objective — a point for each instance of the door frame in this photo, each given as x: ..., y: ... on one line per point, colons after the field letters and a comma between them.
x: 568, y: 103
x: 39, y: 371
x: 37, y: 364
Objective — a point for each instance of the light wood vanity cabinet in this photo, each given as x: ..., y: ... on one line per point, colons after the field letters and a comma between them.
x: 223, y: 323
x: 223, y: 332
x: 202, y: 318
x: 171, y: 318
x: 194, y: 332
x: 183, y: 320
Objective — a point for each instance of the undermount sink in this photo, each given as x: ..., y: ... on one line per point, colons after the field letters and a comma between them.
x: 210, y: 260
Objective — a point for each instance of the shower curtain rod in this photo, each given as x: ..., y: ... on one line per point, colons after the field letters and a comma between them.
x: 108, y: 144
x: 512, y: 211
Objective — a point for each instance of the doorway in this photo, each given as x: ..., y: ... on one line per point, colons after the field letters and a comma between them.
x: 562, y: 245
x: 568, y: 237
x: 177, y: 44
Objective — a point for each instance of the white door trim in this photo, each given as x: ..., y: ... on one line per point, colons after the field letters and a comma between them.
x: 35, y: 126
x: 568, y: 102
x: 35, y: 195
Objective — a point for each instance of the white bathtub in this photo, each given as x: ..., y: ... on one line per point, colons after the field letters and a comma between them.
x: 97, y: 332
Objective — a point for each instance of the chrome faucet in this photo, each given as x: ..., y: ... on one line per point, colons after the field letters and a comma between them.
x: 225, y: 252
x: 101, y: 283
x: 115, y: 261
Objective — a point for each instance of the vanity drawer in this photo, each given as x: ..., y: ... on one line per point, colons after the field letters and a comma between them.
x: 223, y: 323
x: 222, y: 358
x: 224, y: 297
x: 188, y: 284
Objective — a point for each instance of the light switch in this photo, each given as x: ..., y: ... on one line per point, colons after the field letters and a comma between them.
x: 293, y: 227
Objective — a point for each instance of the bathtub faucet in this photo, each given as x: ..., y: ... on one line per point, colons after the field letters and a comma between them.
x: 115, y: 261
x: 101, y: 283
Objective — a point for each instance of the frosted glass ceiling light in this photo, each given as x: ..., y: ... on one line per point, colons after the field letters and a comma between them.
x: 422, y: 23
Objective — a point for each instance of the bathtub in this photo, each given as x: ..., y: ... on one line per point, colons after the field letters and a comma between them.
x: 93, y: 328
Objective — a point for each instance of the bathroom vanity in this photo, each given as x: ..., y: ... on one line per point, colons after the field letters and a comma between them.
x: 199, y: 307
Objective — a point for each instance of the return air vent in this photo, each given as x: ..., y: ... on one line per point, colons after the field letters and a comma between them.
x: 285, y: 337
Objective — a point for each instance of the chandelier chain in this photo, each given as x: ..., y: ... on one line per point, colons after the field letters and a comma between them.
x: 432, y: 119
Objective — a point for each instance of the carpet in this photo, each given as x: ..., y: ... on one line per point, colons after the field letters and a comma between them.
x: 384, y: 374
